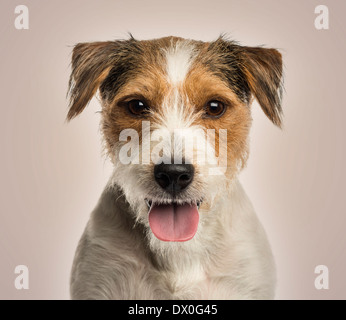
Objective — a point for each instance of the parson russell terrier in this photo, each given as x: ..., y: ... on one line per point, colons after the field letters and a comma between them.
x: 173, y: 222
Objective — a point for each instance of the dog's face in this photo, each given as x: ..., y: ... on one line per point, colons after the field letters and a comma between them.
x: 156, y: 95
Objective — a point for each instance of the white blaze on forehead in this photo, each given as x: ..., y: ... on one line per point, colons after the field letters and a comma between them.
x: 175, y: 115
x: 179, y: 58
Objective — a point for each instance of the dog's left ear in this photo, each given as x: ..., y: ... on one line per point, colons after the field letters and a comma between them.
x: 262, y: 69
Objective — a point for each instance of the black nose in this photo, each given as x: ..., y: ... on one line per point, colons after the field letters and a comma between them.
x: 173, y: 177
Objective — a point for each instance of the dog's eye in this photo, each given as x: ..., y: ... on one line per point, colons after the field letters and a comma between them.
x: 137, y: 107
x: 215, y: 109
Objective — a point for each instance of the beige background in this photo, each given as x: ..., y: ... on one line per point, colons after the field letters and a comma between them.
x: 52, y: 173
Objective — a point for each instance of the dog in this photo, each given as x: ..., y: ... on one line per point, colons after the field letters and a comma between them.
x: 166, y: 229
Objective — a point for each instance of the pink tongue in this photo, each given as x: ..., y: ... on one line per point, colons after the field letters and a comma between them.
x: 174, y: 222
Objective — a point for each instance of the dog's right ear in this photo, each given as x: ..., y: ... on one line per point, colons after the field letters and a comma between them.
x: 91, y: 63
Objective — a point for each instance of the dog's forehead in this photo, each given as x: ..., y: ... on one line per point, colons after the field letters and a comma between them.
x: 156, y: 69
x: 178, y: 61
x: 170, y: 62
x: 176, y: 57
x: 173, y: 57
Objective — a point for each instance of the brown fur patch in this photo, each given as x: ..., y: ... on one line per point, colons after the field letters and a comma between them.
x: 201, y: 86
x: 149, y: 88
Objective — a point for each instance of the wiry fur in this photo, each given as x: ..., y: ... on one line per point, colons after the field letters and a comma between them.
x: 118, y: 256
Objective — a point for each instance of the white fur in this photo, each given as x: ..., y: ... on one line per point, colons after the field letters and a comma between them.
x: 178, y: 59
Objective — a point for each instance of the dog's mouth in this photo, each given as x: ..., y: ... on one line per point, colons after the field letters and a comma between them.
x: 173, y: 220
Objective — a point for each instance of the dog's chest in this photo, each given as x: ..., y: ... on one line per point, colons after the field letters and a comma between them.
x: 189, y: 283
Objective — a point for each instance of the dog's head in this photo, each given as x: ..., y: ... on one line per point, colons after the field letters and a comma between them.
x: 175, y: 119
